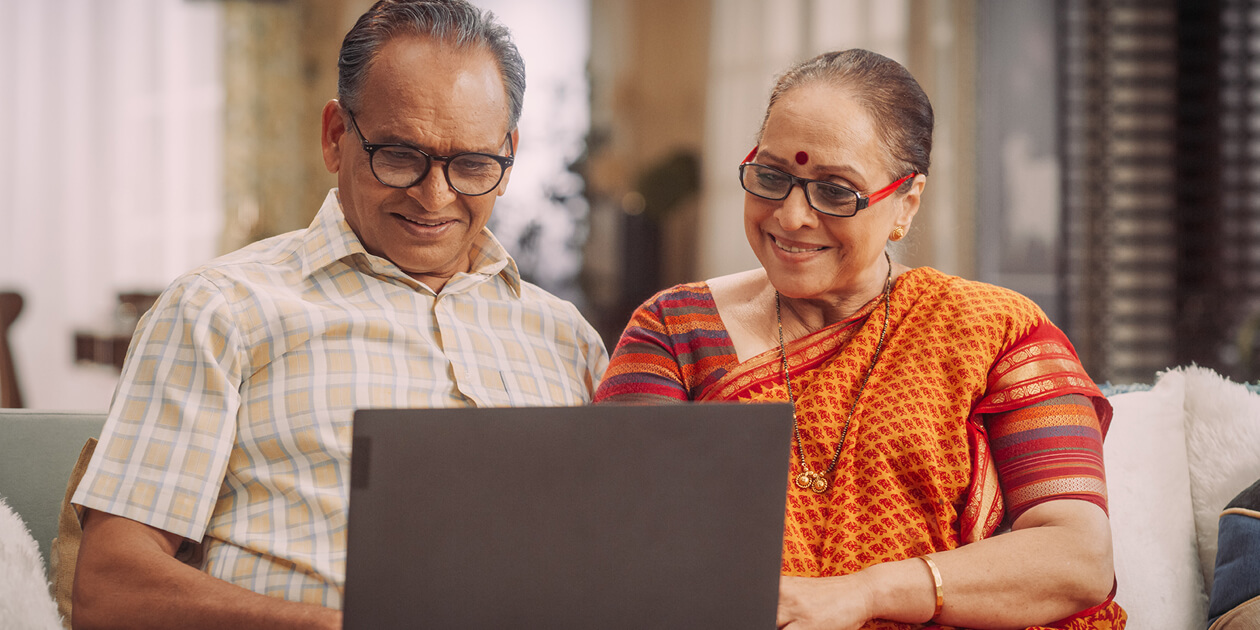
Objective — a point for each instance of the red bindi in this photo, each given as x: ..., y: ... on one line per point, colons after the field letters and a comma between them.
x: 802, y: 157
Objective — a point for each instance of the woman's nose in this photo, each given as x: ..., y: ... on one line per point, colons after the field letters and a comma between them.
x: 795, y: 212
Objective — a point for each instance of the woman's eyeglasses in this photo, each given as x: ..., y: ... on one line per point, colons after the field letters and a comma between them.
x: 831, y: 199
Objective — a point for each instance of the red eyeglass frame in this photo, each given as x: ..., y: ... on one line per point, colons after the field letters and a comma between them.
x: 864, y: 201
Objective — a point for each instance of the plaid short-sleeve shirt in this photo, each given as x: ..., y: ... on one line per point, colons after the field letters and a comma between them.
x: 231, y: 423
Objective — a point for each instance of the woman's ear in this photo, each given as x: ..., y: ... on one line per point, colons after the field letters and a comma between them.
x: 910, y: 202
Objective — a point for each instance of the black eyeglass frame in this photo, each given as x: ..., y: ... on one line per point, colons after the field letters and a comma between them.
x: 863, y: 201
x: 505, y: 161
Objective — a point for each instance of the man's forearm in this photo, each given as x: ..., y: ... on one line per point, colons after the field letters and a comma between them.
x: 127, y: 577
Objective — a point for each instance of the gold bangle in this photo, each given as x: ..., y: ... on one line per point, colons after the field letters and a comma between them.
x: 940, y: 590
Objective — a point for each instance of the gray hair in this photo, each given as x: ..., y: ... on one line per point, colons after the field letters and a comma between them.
x: 453, y: 21
x: 901, y: 111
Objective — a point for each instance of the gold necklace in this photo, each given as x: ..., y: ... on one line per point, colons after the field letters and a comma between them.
x: 819, y: 483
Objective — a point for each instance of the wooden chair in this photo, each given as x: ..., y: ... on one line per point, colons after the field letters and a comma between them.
x: 10, y: 307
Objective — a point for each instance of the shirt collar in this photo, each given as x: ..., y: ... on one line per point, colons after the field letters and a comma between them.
x: 329, y: 239
x: 489, y: 258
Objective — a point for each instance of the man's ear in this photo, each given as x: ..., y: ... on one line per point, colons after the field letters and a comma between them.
x: 332, y: 134
x: 516, y: 150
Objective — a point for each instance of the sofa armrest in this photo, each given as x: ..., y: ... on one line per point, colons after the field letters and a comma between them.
x: 37, y: 453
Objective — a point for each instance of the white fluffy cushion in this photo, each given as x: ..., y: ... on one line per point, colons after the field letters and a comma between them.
x: 1152, y: 527
x: 1223, y: 445
x: 24, y: 598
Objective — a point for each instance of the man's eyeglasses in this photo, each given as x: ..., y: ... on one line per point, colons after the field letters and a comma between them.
x: 831, y: 199
x: 403, y: 166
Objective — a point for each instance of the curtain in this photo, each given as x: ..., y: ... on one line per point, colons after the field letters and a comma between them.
x: 1161, y: 220
x: 110, y: 170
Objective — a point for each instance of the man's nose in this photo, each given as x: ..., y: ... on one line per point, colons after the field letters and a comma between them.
x: 433, y: 192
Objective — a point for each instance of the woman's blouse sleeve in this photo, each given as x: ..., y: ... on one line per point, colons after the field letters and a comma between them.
x: 644, y: 367
x: 1048, y: 450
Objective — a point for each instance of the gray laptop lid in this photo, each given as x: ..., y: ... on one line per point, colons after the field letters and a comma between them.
x: 575, y: 517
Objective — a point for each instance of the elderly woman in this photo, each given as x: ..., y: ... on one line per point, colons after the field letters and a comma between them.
x: 930, y: 411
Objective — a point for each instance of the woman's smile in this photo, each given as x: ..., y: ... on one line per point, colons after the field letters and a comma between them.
x: 795, y: 247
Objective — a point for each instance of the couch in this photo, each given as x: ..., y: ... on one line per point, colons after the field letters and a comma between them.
x: 38, y: 450
x: 1177, y: 452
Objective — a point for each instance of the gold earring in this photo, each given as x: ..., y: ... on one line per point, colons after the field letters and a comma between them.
x: 898, y: 233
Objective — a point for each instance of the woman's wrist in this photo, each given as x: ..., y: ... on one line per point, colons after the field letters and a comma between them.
x: 937, y: 586
x: 900, y: 591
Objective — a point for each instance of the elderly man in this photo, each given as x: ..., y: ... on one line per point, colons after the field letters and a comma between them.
x: 228, y: 441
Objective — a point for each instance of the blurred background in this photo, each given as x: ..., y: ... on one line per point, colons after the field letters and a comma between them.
x: 1101, y: 157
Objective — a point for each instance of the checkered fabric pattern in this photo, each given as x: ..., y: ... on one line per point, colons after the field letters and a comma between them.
x: 232, y: 419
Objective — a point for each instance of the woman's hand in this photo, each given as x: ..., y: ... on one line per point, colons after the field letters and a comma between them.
x: 833, y: 603
x: 897, y: 591
x: 1055, y: 561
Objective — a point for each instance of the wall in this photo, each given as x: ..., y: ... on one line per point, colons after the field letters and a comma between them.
x: 649, y: 82
x: 1018, y: 204
x: 280, y: 68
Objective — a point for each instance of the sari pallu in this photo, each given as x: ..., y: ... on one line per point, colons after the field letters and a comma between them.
x: 916, y: 473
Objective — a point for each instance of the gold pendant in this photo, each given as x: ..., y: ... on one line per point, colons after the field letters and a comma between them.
x: 810, y: 480
x: 820, y: 484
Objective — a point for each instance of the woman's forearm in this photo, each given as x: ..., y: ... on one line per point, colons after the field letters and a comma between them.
x: 1056, y: 561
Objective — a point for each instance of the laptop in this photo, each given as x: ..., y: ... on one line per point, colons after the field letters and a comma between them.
x: 573, y: 517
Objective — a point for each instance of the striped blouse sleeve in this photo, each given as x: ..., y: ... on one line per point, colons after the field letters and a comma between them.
x: 1049, y: 450
x: 643, y: 368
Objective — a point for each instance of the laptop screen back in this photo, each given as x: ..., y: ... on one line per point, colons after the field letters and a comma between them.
x: 576, y: 517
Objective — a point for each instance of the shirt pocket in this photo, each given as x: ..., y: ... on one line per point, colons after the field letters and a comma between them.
x: 524, y: 388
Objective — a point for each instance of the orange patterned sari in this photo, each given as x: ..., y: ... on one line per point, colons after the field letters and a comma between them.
x: 915, y: 474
